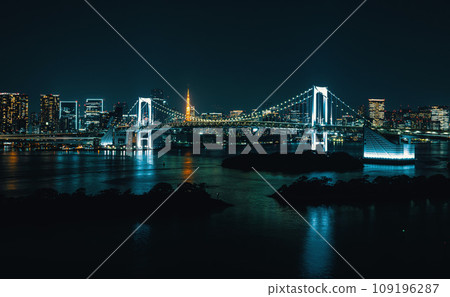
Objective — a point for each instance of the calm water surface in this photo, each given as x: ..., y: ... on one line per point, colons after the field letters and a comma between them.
x: 255, y: 238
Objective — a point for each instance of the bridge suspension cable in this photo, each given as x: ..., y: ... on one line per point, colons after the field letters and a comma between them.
x: 300, y: 108
x: 351, y: 109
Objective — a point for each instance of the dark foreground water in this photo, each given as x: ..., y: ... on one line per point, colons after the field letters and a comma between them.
x: 257, y: 238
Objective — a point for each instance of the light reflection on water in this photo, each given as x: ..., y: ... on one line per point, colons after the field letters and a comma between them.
x: 317, y: 255
x: 21, y: 172
x: 264, y: 238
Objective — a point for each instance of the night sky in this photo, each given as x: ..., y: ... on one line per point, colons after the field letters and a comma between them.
x: 232, y: 54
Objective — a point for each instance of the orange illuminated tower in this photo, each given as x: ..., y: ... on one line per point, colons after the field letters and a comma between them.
x: 188, y: 107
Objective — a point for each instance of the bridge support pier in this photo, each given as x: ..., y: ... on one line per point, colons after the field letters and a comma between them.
x: 315, y: 141
x: 144, y: 135
x: 145, y: 118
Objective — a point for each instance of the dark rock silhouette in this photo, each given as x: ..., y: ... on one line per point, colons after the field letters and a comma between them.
x: 384, y: 190
x: 295, y: 163
x: 49, y: 206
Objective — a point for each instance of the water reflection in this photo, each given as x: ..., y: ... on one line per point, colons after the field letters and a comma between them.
x: 188, y: 164
x: 388, y: 170
x: 12, y: 161
x: 317, y: 257
x: 252, y: 236
x: 141, y: 237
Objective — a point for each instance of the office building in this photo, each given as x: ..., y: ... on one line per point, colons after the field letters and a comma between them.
x: 93, y: 113
x: 68, y: 116
x: 13, y: 113
x: 440, y: 118
x: 376, y: 111
x: 212, y: 116
x: 236, y: 113
x: 49, y: 117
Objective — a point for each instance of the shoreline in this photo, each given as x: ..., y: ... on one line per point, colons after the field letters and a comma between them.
x: 48, y: 206
x: 362, y: 192
x: 308, y: 161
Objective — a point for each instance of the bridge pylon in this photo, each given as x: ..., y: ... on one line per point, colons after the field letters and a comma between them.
x: 321, y: 116
x: 145, y: 118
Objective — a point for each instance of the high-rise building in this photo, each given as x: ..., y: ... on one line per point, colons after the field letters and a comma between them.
x: 106, y: 120
x: 440, y: 118
x: 215, y: 116
x: 68, y: 116
x: 93, y: 111
x: 362, y: 110
x: 235, y: 113
x: 13, y: 112
x: 423, y: 118
x: 376, y: 111
x: 160, y: 115
x: 118, y: 112
x: 33, y: 123
x: 49, y: 117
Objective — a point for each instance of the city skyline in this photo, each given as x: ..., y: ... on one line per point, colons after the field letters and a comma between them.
x: 248, y: 63
x: 58, y: 115
x: 291, y: 146
x: 109, y: 103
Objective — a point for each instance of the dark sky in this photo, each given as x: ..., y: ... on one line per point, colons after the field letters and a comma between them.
x: 232, y: 54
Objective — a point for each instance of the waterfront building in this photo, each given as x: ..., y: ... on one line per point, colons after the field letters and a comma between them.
x: 93, y: 111
x: 348, y: 120
x: 33, y: 123
x: 106, y: 120
x: 119, y: 109
x: 294, y: 115
x: 378, y: 149
x: 440, y: 118
x: 376, y: 111
x: 212, y: 116
x: 13, y: 113
x: 160, y: 115
x: 68, y: 116
x: 423, y: 118
x: 236, y: 113
x: 362, y: 110
x: 129, y: 119
x: 49, y: 117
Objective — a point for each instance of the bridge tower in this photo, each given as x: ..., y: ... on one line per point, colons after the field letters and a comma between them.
x: 321, y: 116
x: 145, y: 118
x: 145, y: 112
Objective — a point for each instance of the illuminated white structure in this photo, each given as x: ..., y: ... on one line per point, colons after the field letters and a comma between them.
x: 378, y: 149
x: 144, y: 119
x: 320, y: 116
x: 320, y: 107
x: 145, y: 114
